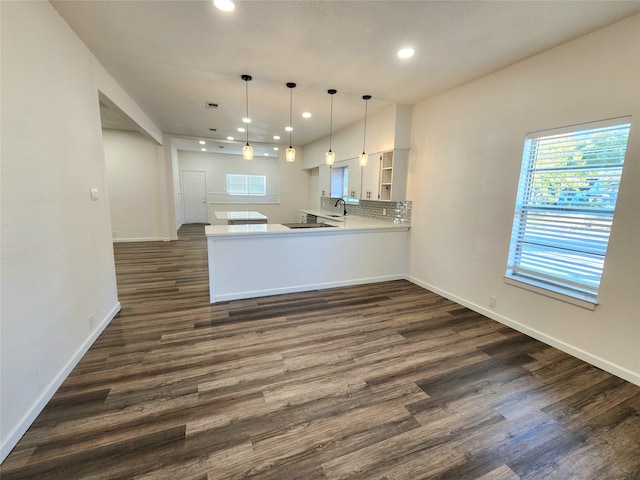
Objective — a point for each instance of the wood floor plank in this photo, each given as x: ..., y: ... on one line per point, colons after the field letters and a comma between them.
x: 378, y: 382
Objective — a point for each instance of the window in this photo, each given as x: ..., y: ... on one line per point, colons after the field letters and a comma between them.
x: 564, y: 209
x: 339, y: 182
x: 246, y: 184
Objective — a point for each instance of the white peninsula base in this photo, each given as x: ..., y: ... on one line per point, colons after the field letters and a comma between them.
x: 275, y: 260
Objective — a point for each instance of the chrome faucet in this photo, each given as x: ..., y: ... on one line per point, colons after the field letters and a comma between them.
x: 343, y: 204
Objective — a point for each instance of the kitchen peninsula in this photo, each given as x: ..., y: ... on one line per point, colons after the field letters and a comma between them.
x: 256, y: 260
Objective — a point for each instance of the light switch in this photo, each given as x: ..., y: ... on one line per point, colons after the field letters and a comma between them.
x: 94, y: 193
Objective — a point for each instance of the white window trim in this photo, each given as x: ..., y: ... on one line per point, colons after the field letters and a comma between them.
x: 557, y: 294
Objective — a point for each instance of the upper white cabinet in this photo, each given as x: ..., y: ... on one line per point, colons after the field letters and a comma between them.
x: 383, y: 178
x: 325, y: 180
x: 371, y: 178
x: 355, y: 178
x: 393, y: 175
x: 386, y: 176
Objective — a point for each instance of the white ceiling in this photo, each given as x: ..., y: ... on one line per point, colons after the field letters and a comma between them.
x: 173, y: 57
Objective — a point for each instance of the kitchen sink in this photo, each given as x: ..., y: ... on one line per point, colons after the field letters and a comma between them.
x: 307, y: 225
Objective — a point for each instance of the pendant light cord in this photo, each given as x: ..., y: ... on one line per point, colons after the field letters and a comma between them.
x: 246, y: 94
x: 331, y: 122
x: 364, y: 137
x: 290, y: 114
x: 246, y: 79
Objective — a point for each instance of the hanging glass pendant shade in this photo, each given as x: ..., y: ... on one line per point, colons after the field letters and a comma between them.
x: 330, y: 156
x: 247, y: 150
x: 290, y: 153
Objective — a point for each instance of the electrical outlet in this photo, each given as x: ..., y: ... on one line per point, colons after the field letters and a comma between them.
x: 492, y: 301
x: 384, y: 211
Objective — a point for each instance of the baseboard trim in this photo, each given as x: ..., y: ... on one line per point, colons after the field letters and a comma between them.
x: 304, y: 288
x: 142, y: 239
x: 14, y: 437
x: 594, y: 360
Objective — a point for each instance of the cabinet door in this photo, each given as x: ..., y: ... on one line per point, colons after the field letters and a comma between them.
x: 355, y: 178
x: 325, y: 180
x: 371, y: 178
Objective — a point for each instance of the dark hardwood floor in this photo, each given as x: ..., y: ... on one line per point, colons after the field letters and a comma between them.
x: 382, y: 381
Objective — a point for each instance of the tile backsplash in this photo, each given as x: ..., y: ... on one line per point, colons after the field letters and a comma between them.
x: 396, y: 212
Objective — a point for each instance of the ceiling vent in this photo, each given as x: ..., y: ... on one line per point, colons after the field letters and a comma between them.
x: 211, y: 105
x: 213, y: 129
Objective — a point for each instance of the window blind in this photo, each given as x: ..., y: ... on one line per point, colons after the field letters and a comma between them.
x: 238, y: 184
x: 565, y: 205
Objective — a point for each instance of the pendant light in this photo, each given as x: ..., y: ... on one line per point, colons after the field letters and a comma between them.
x: 290, y: 153
x: 363, y: 156
x: 330, y: 157
x: 247, y: 150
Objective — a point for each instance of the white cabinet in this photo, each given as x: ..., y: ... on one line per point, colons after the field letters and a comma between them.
x: 371, y: 178
x: 393, y: 175
x: 386, y: 175
x: 324, y: 177
x: 355, y: 178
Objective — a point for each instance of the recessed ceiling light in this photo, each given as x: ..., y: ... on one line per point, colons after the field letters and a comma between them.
x: 241, y: 129
x: 203, y: 149
x: 202, y: 142
x: 246, y: 120
x: 276, y: 137
x: 276, y: 148
x: 289, y: 129
x: 224, y: 5
x: 306, y: 115
x: 266, y: 154
x: 229, y: 138
x: 406, y: 52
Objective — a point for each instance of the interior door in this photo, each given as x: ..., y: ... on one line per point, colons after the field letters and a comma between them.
x: 194, y: 193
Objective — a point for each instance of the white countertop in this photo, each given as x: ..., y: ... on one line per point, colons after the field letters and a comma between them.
x: 325, y: 214
x: 240, y: 216
x: 348, y: 224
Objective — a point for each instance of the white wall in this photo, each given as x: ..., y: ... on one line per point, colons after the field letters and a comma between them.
x: 58, y: 286
x: 288, y: 180
x: 135, y: 178
x: 466, y: 153
x: 171, y: 152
